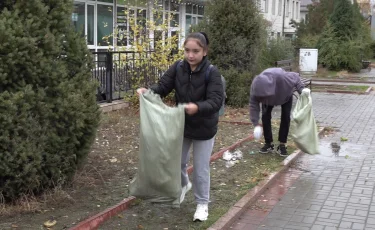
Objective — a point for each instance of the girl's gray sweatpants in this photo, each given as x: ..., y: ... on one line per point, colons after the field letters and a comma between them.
x: 201, y: 161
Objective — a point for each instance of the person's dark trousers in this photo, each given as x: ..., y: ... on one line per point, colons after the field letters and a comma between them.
x: 284, y: 124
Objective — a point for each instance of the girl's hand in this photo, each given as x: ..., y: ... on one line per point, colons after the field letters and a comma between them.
x: 141, y: 91
x: 191, y: 108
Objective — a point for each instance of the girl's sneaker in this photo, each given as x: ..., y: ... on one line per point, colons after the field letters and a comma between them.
x: 201, y: 213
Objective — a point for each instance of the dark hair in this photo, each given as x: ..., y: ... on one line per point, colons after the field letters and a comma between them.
x: 201, y: 37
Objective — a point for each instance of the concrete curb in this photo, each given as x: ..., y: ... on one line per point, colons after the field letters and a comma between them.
x: 95, y: 221
x: 369, y: 89
x: 240, y: 207
x: 346, y: 92
x: 343, y: 81
x: 115, y: 105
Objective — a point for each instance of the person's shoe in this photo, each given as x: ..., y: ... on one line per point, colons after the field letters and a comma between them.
x: 184, y: 190
x: 201, y: 213
x: 281, y: 149
x: 267, y: 148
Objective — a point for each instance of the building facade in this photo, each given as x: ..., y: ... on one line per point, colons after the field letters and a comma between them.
x: 99, y: 20
x: 279, y: 14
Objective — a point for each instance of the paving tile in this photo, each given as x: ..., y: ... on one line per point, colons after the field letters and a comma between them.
x: 336, y: 193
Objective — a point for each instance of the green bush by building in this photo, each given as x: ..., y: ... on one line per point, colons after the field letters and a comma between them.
x: 48, y: 109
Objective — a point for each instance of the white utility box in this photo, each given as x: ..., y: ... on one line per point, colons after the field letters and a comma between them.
x: 308, y: 61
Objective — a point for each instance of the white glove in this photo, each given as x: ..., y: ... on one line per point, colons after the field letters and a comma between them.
x: 306, y: 91
x: 258, y: 131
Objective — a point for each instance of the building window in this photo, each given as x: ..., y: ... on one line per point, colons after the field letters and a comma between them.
x: 122, y: 26
x: 259, y: 4
x: 96, y: 20
x: 78, y: 18
x: 90, y: 25
x: 194, y: 14
x: 265, y: 6
x: 273, y: 7
x: 138, y: 3
x: 280, y: 7
x: 167, y: 11
x: 293, y: 9
x: 297, y: 10
x: 201, y: 10
x: 287, y: 8
x: 105, y: 25
x: 130, y: 14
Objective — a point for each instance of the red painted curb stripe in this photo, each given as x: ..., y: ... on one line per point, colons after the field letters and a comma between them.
x: 94, y: 221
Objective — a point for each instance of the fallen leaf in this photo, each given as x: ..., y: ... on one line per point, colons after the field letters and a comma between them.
x: 50, y: 223
x: 343, y: 139
x: 113, y: 160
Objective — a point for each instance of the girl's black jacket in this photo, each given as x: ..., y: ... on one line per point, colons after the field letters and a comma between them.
x: 195, y: 86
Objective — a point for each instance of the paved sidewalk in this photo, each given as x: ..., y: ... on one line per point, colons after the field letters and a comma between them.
x: 326, y: 191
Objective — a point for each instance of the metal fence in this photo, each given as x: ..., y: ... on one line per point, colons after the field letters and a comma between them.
x: 119, y: 72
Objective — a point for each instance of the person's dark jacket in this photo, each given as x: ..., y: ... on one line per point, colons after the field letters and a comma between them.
x: 191, y: 86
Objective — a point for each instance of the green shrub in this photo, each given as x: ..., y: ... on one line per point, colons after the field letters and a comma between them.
x: 48, y: 109
x: 346, y: 39
x: 308, y: 41
x: 338, y: 54
x: 235, y: 30
x: 238, y: 87
x: 275, y: 50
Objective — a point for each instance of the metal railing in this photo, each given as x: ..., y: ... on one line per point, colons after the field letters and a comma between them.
x: 119, y: 72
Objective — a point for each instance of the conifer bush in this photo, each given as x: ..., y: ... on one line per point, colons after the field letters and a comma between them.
x: 236, y: 32
x: 48, y: 109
